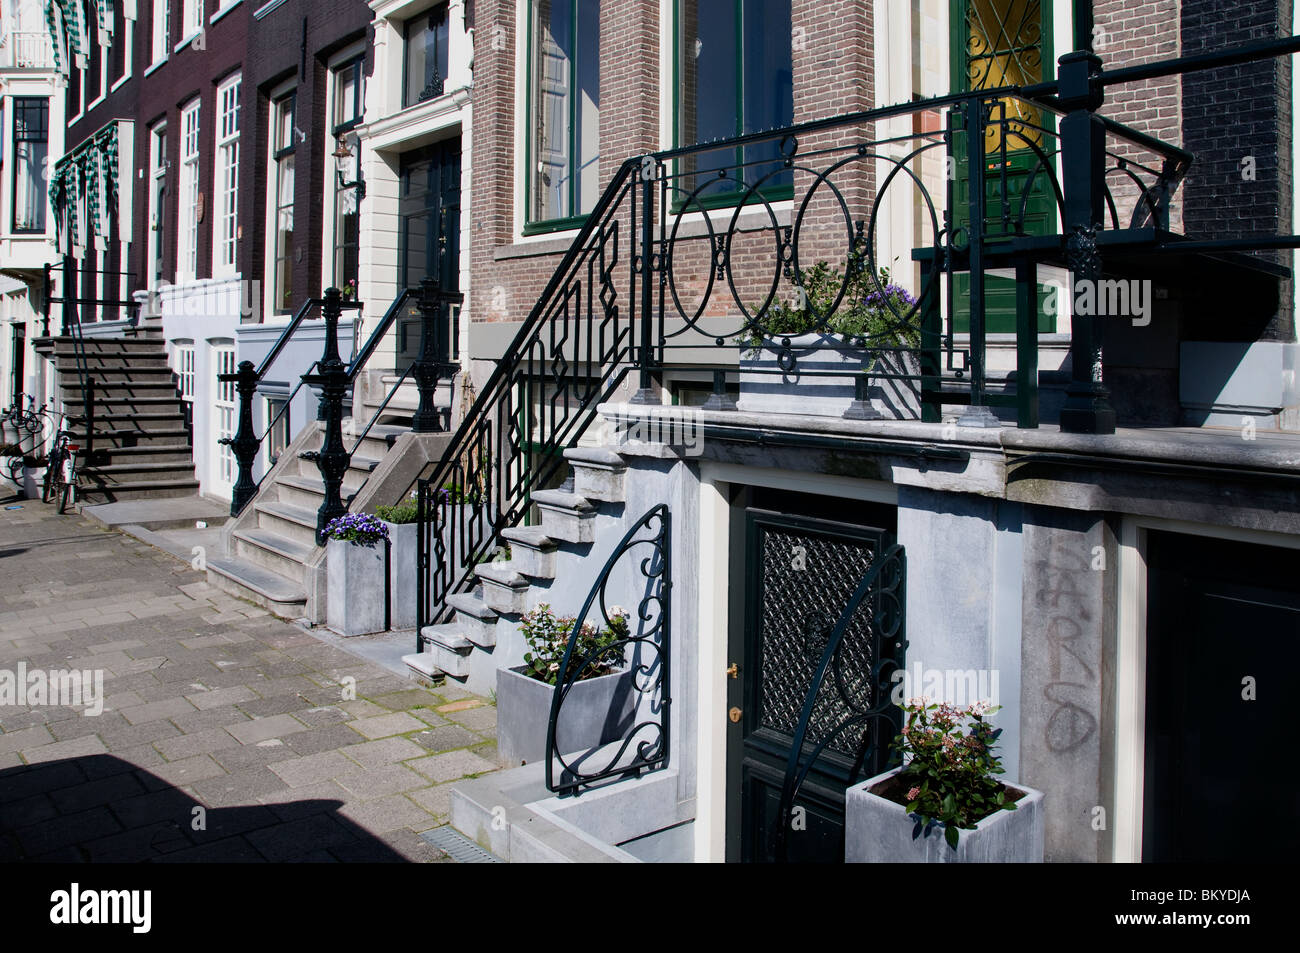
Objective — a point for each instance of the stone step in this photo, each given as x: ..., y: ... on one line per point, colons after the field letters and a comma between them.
x: 125, y: 421
x: 279, y: 554
x: 423, y: 667
x: 142, y: 489
x: 475, y: 618
x: 598, y: 474
x: 448, y: 635
x: 280, y: 594
x: 297, y: 523
x: 532, y: 552
x: 566, y: 516
x: 105, y: 438
x: 308, y: 491
x: 152, y: 453
x: 134, y: 471
x: 67, y: 357
x: 119, y: 372
x: 503, y: 589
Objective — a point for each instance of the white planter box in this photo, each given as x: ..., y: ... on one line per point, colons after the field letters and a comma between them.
x: 821, y: 382
x: 33, y: 482
x: 879, y: 831
x: 401, y: 572
x: 596, y: 711
x: 356, y: 587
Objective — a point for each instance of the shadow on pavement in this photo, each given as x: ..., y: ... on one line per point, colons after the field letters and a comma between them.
x: 101, y: 809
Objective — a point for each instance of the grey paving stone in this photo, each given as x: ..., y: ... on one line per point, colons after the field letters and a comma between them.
x: 387, y: 814
x: 452, y: 765
x: 383, y: 726
x: 298, y: 772
x: 387, y: 751
x: 189, y: 770
x: 322, y: 739
x: 261, y: 729
x: 154, y: 711
x: 445, y: 738
x: 375, y: 782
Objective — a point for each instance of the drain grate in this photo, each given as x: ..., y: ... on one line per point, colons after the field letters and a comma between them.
x: 458, y: 847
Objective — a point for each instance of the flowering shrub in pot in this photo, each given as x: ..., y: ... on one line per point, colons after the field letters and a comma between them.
x: 947, y: 802
x: 845, y: 326
x: 598, y: 707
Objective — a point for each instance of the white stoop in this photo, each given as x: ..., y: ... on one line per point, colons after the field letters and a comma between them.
x: 463, y: 648
x: 271, y: 554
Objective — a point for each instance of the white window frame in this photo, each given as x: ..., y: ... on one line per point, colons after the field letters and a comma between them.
x: 191, y: 20
x: 183, y: 362
x: 187, y: 208
x: 225, y: 184
x: 161, y: 30
x: 329, y: 220
x: 128, y: 53
x: 271, y: 284
x: 157, y: 172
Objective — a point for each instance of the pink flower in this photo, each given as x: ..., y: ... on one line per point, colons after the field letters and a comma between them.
x: 913, y: 794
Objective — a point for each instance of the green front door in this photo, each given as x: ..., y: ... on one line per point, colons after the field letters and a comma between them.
x: 1002, y: 43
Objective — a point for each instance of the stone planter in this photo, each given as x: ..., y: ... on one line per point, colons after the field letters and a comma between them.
x: 596, y: 711
x: 33, y: 482
x: 401, y: 572
x: 821, y: 380
x: 356, y: 576
x: 878, y: 830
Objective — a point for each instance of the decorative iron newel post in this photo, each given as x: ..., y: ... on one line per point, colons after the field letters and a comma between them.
x: 432, y: 364
x: 244, y: 443
x: 646, y: 393
x: 332, y: 458
x: 1087, y: 406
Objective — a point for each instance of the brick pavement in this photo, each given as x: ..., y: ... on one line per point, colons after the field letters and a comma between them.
x: 226, y: 733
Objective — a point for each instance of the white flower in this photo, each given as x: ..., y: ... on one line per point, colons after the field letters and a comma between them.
x: 616, y: 612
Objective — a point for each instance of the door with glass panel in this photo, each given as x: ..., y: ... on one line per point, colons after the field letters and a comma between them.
x: 429, y: 241
x: 225, y: 411
x: 1004, y: 43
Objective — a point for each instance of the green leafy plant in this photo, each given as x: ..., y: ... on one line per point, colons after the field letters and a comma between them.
x: 868, y: 315
x: 548, y: 635
x: 404, y: 512
x: 950, y: 773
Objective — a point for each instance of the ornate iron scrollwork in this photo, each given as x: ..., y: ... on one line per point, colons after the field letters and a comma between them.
x: 643, y: 655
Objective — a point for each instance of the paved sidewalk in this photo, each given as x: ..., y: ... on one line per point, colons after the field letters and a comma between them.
x: 226, y: 734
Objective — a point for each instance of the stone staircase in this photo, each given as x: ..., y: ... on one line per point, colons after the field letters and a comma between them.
x: 272, y: 558
x: 482, y: 635
x: 140, y: 420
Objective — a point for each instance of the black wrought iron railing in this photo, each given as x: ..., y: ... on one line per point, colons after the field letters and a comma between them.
x: 71, y: 303
x: 768, y: 244
x: 632, y: 646
x: 772, y: 246
x: 335, y: 378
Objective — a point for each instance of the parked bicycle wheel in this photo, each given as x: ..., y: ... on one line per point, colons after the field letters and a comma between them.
x: 53, y: 471
x: 69, y: 479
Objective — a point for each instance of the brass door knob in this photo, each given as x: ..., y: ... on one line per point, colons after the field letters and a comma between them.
x: 734, y: 715
x: 733, y: 669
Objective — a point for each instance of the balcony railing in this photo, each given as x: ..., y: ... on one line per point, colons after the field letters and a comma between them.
x: 26, y: 50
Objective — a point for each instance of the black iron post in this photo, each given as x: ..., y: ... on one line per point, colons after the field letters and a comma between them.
x: 45, y: 303
x: 88, y: 407
x: 332, y: 458
x: 245, y: 443
x: 1082, y: 16
x: 1087, y: 406
x: 69, y: 292
x: 977, y: 414
x: 435, y: 347
x: 645, y: 393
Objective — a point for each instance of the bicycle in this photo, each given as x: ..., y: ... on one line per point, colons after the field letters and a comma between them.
x: 61, y: 472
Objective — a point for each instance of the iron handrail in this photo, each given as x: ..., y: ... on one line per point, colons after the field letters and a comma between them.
x: 367, y: 350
